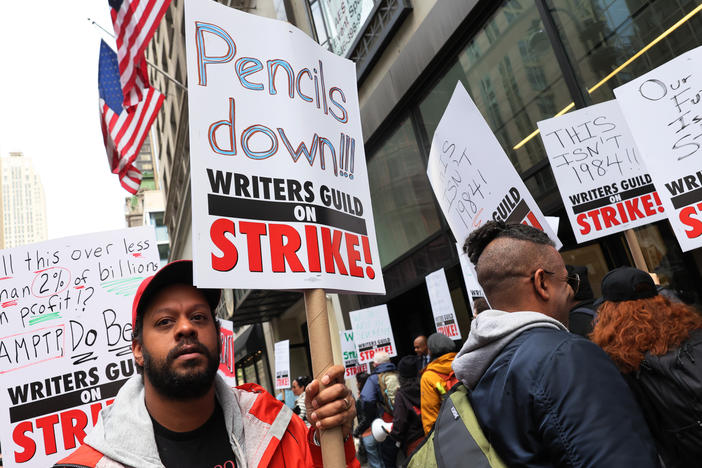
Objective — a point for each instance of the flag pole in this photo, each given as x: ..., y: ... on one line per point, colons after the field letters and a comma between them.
x: 151, y: 64
x: 332, y: 440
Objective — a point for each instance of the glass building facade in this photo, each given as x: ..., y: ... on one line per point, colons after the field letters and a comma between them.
x: 522, y: 61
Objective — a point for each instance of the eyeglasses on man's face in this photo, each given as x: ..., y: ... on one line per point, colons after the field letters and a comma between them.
x: 572, y: 280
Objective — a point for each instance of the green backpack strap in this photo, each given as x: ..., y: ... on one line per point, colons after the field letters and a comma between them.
x: 456, y: 436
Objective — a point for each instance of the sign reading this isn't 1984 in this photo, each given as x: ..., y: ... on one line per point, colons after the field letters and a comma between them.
x: 601, y: 176
x: 472, y: 177
x: 279, y: 184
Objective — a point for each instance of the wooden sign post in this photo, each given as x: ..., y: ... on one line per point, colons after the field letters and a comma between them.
x: 322, y: 359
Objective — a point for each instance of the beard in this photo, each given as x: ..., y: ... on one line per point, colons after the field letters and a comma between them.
x: 186, y: 383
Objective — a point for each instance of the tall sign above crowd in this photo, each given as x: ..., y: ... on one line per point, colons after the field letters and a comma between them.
x: 600, y: 172
x: 280, y: 193
x: 65, y: 337
x: 472, y: 177
x: 663, y: 109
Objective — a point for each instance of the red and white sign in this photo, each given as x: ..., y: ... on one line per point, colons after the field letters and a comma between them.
x: 348, y: 350
x: 65, y: 337
x: 226, y: 353
x: 372, y: 332
x: 442, y: 305
x: 472, y: 177
x: 601, y: 175
x: 663, y: 109
x: 280, y: 195
x: 282, y: 364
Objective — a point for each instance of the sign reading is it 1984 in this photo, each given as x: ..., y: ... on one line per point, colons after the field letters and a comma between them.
x: 472, y: 177
x: 602, y: 179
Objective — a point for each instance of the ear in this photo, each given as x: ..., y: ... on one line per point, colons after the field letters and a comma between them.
x: 137, y: 351
x: 541, y: 286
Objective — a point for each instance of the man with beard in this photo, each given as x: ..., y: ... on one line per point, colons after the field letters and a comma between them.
x: 177, y: 412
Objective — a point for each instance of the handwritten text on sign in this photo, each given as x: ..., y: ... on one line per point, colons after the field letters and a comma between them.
x: 65, y: 337
x: 602, y: 179
x: 472, y: 178
x: 350, y: 356
x: 441, y: 305
x: 280, y: 189
x: 372, y: 332
x: 664, y: 111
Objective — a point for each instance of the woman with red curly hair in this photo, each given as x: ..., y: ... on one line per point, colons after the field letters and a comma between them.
x: 657, y: 345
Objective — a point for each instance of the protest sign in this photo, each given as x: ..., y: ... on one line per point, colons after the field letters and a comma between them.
x: 663, y: 111
x: 603, y: 182
x: 226, y: 353
x: 282, y: 364
x: 65, y: 337
x: 280, y: 195
x: 348, y: 350
x: 372, y: 332
x: 441, y: 305
x: 473, y: 288
x: 472, y: 178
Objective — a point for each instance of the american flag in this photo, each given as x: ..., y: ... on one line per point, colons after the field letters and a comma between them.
x: 135, y: 22
x: 123, y: 129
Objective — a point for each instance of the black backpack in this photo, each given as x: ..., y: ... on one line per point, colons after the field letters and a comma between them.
x: 669, y: 389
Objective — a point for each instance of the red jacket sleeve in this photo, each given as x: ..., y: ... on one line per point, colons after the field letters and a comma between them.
x: 349, y: 451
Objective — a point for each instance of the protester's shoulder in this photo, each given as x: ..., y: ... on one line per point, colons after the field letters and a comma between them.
x: 540, y: 344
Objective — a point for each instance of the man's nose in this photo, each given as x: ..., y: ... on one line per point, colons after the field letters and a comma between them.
x: 184, y: 327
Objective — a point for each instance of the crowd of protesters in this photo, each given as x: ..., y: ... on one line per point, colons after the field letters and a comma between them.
x: 548, y: 376
x: 551, y: 374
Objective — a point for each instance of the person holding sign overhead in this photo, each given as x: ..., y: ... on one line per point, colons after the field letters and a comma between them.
x: 177, y: 411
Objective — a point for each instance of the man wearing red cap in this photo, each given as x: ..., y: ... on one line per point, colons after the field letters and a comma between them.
x: 177, y: 412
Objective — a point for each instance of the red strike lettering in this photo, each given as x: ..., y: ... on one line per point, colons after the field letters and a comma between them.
x: 448, y: 330
x: 687, y: 217
x: 229, y: 256
x: 622, y: 212
x: 285, y: 244
x: 72, y: 423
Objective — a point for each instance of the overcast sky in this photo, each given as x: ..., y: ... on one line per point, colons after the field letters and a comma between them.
x: 49, y: 109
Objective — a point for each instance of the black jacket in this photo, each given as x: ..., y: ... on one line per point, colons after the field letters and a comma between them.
x: 406, y: 422
x: 554, y: 399
x: 669, y: 390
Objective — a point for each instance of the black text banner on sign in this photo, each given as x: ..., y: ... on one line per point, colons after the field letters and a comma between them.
x: 663, y: 108
x: 372, y: 332
x: 472, y: 177
x: 65, y: 337
x: 279, y: 184
x: 600, y: 173
x: 350, y: 356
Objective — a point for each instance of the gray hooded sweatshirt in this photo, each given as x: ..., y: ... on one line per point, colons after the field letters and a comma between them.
x: 124, y: 431
x: 489, y: 333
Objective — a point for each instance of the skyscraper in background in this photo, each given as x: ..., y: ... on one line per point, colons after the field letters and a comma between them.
x: 23, y: 202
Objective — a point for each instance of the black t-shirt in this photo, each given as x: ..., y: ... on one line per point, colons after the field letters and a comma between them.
x: 207, y: 446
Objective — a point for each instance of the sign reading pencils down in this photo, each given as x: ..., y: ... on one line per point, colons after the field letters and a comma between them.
x: 280, y: 195
x: 601, y: 176
x: 65, y: 337
x: 472, y: 177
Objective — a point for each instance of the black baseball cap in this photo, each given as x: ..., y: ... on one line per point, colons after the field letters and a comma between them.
x: 177, y: 272
x: 627, y: 284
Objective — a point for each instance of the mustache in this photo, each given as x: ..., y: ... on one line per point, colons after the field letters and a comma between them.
x: 187, y: 346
